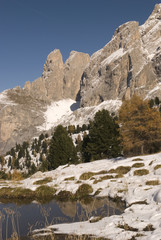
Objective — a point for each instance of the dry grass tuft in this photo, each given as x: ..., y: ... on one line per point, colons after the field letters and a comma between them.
x: 141, y: 172
x: 153, y: 182
x: 138, y: 165
x: 157, y: 167
x: 88, y: 175
x: 137, y: 159
x: 43, y: 181
x: 120, y: 170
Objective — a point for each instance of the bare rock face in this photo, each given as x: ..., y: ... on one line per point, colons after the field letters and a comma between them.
x: 52, y: 76
x: 19, y: 117
x: 128, y: 64
x: 73, y: 69
x: 59, y: 80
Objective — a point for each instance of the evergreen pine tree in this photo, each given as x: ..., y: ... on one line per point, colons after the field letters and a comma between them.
x: 157, y: 101
x: 62, y: 149
x: 103, y: 138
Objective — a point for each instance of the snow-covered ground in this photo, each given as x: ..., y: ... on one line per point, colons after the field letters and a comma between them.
x: 141, y: 193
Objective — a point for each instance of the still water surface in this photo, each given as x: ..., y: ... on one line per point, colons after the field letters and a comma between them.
x: 26, y: 217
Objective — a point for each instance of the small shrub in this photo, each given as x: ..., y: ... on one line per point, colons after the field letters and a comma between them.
x: 152, y: 182
x: 83, y: 191
x: 157, y: 167
x: 43, y: 181
x: 138, y: 165
x: 141, y: 172
x: 149, y: 227
x: 120, y: 170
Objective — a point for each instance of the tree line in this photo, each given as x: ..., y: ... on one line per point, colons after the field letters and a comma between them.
x: 136, y: 130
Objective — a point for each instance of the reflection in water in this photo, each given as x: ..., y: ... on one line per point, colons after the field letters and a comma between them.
x: 25, y: 218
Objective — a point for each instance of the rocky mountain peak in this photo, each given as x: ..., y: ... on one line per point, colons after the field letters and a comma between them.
x: 54, y: 61
x: 128, y: 64
x: 156, y: 14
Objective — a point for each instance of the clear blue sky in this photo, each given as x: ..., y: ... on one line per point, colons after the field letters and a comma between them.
x: 31, y: 29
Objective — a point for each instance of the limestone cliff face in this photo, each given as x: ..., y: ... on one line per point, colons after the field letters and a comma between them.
x: 73, y: 69
x: 59, y: 80
x: 128, y: 64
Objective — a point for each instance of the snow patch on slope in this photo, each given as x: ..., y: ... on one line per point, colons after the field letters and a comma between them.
x: 115, y: 55
x: 56, y: 111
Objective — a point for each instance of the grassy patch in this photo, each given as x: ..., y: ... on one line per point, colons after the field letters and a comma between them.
x: 157, y: 167
x: 103, y: 178
x: 44, y: 193
x: 153, y: 182
x: 141, y: 172
x: 119, y: 176
x: 88, y: 175
x: 16, y: 193
x: 137, y: 159
x: 83, y: 191
x: 138, y: 165
x: 43, y: 181
x: 126, y: 227
x: 120, y: 170
x: 69, y: 179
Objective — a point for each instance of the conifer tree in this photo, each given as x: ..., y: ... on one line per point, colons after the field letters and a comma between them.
x: 140, y: 127
x: 103, y: 138
x: 62, y: 149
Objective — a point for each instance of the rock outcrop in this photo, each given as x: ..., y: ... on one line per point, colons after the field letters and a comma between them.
x: 128, y: 64
x: 59, y: 80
